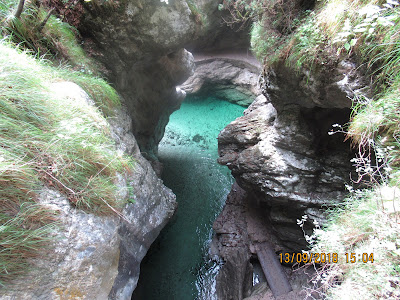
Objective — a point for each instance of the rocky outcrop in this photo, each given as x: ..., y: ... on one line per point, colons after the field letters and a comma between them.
x: 98, y: 257
x: 326, y: 86
x: 141, y: 47
x: 240, y: 228
x: 229, y: 76
x: 289, y: 162
x: 153, y: 96
x: 154, y: 205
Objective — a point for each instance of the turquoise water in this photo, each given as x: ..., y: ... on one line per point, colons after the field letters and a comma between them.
x: 177, y: 265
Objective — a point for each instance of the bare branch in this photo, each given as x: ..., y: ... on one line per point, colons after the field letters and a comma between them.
x: 41, y: 26
x: 19, y: 9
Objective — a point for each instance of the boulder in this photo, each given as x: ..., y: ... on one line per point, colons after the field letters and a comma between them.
x: 326, y: 86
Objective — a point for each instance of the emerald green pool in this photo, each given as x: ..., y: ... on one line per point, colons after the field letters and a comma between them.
x: 177, y: 265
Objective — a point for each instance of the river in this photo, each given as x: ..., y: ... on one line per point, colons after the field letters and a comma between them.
x: 177, y: 265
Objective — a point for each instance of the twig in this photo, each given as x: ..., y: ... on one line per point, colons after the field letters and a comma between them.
x: 41, y: 26
x: 19, y: 9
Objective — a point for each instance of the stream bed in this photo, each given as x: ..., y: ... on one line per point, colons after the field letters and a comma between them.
x: 177, y: 265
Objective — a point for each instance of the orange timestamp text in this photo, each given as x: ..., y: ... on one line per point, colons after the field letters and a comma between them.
x: 322, y: 258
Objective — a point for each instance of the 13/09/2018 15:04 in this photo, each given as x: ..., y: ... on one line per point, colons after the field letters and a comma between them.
x: 321, y: 258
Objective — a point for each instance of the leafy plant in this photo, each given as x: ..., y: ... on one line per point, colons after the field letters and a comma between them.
x: 370, y: 18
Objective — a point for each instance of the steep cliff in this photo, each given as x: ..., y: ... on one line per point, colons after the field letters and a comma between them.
x: 90, y: 255
x: 94, y: 256
x: 281, y: 151
x: 141, y: 46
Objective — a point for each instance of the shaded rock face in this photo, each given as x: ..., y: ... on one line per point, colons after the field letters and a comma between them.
x: 229, y: 78
x: 140, y: 43
x: 127, y: 32
x: 288, y: 161
x: 231, y: 243
x: 326, y: 87
x: 216, y: 35
x: 154, y: 206
x: 141, y: 46
x: 153, y: 96
x: 98, y: 257
x: 241, y: 227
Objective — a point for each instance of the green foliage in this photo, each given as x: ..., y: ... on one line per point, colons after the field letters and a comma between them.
x: 25, y: 231
x: 56, y: 40
x: 366, y: 223
x: 105, y: 96
x: 52, y: 140
x: 307, y: 44
x: 196, y: 13
x: 265, y: 45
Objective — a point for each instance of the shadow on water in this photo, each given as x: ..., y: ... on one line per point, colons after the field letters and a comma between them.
x: 177, y: 265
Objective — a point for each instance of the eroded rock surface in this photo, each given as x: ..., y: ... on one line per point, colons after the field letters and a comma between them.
x: 98, y: 257
x: 330, y: 86
x: 289, y: 162
x: 140, y: 45
x: 228, y: 76
x: 242, y: 226
x: 154, y: 205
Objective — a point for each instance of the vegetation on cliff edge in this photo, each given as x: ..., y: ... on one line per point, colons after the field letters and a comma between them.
x: 314, y: 35
x: 48, y: 139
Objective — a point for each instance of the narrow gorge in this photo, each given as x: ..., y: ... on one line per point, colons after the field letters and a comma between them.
x: 228, y: 156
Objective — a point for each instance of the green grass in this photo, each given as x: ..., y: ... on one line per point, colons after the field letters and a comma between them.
x: 55, y: 41
x: 50, y: 140
x: 334, y: 30
x: 366, y: 223
x: 47, y: 139
x: 67, y: 138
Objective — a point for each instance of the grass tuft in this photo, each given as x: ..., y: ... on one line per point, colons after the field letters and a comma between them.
x: 56, y: 40
x: 367, y: 223
x: 48, y: 139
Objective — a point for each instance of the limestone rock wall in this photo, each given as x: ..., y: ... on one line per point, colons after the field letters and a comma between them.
x: 286, y: 163
x: 229, y: 76
x: 140, y: 43
x: 98, y: 257
x: 326, y: 86
x: 281, y: 152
